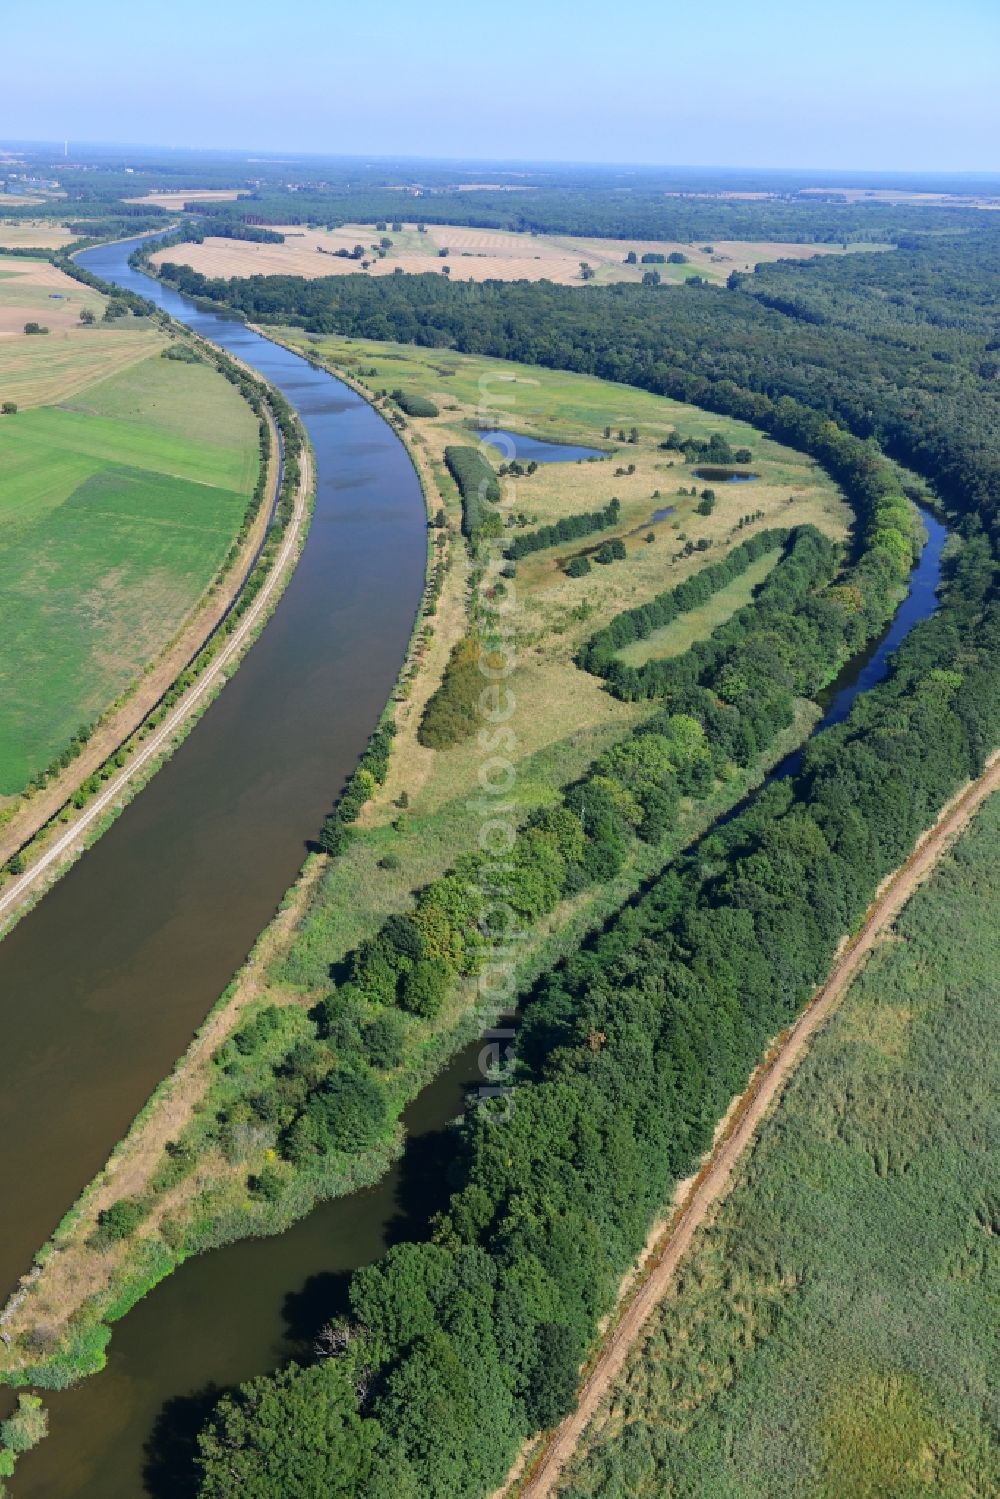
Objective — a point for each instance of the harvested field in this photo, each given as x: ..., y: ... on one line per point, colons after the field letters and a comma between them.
x: 193, y: 195
x: 37, y: 370
x: 476, y: 255
x: 38, y: 291
x: 32, y: 234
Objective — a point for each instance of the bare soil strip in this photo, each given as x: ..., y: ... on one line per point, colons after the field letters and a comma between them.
x: 71, y: 842
x: 715, y: 1176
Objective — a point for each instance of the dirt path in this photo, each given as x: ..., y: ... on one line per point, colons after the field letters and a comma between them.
x: 715, y: 1176
x: 121, y: 722
x: 71, y: 842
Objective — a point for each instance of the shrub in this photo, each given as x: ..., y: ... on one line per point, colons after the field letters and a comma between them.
x: 611, y: 551
x: 26, y: 1427
x: 452, y: 713
x: 384, y: 1040
x: 120, y: 1220
x: 347, y: 1112
x: 577, y: 567
x: 425, y: 987
x: 479, y: 488
x: 414, y: 405
x: 183, y: 353
x: 268, y: 1184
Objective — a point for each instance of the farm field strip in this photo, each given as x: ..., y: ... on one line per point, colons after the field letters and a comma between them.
x: 38, y: 291
x: 477, y: 254
x: 116, y: 519
x: 121, y: 723
x: 213, y: 676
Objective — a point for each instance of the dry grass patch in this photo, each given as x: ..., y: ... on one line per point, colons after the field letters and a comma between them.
x: 476, y: 255
x: 34, y: 234
x: 42, y: 369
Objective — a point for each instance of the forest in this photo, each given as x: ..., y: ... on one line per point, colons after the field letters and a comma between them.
x: 459, y: 1348
x: 910, y: 357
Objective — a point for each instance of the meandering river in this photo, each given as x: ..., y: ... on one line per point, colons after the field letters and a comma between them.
x: 103, y: 983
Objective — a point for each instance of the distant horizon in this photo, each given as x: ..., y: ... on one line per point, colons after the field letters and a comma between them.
x: 276, y: 156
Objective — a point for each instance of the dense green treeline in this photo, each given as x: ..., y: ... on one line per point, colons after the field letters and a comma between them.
x: 452, y: 712
x: 786, y: 643
x: 414, y: 405
x: 909, y: 358
x: 479, y: 488
x: 614, y: 214
x: 570, y: 528
x: 639, y: 623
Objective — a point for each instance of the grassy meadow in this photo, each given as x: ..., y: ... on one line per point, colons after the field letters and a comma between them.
x: 833, y: 1333
x: 563, y: 718
x: 118, y: 507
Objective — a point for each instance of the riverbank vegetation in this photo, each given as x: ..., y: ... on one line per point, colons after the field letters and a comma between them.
x: 796, y: 1311
x: 630, y: 1053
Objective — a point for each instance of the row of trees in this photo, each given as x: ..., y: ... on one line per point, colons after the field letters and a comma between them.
x: 479, y: 489
x: 597, y: 654
x: 569, y: 528
x: 414, y: 404
x: 370, y: 773
x: 715, y: 449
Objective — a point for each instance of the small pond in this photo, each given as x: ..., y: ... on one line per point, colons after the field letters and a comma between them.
x: 724, y: 475
x: 511, y: 445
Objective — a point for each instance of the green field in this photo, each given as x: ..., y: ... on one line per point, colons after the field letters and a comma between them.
x: 117, y: 509
x: 834, y: 1332
x: 697, y: 624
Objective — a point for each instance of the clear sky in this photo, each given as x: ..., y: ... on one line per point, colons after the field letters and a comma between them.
x: 905, y: 84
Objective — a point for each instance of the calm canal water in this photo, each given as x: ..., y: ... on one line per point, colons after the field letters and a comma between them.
x: 511, y: 445
x: 240, y: 1311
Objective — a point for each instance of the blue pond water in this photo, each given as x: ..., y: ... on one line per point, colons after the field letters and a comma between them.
x: 511, y: 445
